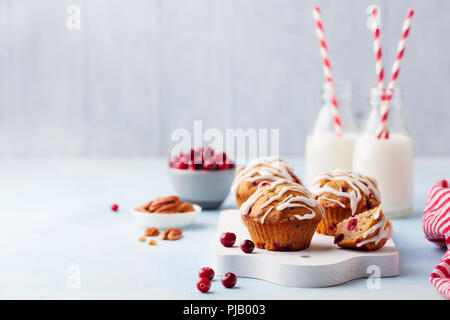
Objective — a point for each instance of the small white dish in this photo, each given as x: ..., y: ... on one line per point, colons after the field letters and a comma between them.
x: 166, y: 220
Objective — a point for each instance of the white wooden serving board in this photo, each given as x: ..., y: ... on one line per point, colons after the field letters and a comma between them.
x: 323, y: 264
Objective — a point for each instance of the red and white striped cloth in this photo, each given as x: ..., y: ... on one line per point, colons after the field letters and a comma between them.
x: 436, y: 225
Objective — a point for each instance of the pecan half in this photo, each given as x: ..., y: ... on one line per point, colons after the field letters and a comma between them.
x: 171, y: 234
x: 151, y: 232
x: 164, y: 205
x: 185, y: 207
x: 143, y: 208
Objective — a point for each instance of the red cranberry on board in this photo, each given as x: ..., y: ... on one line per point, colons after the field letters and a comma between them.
x: 227, y: 239
x: 206, y: 272
x: 229, y: 280
x: 115, y: 207
x: 203, y: 285
x: 339, y: 238
x: 351, y: 225
x: 247, y: 246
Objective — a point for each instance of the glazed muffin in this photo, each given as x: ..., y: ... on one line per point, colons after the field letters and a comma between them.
x: 369, y: 230
x: 281, y: 216
x: 343, y: 194
x: 264, y: 169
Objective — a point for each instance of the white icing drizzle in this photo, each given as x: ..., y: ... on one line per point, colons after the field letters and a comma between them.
x: 306, y: 201
x: 383, y: 231
x: 356, y: 181
x: 265, y: 215
x: 333, y: 200
x: 269, y: 169
x: 291, y: 203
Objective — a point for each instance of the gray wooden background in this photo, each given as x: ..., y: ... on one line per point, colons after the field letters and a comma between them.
x: 138, y: 69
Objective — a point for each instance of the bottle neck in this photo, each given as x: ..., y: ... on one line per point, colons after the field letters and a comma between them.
x: 395, y: 116
x: 342, y: 91
x: 394, y: 98
x: 324, y: 121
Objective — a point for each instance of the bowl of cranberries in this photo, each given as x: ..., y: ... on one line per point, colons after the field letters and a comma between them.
x: 202, y: 176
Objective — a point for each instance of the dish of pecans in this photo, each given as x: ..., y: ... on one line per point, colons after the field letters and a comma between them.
x: 171, y: 204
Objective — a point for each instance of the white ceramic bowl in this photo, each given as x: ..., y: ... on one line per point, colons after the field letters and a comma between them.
x: 207, y: 189
x: 166, y: 220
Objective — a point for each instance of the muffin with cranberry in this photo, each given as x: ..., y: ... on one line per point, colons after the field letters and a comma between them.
x: 343, y: 194
x: 259, y: 171
x: 369, y: 230
x: 281, y: 216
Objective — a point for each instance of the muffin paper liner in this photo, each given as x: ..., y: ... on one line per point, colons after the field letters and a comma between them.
x: 285, y: 237
x: 331, y: 218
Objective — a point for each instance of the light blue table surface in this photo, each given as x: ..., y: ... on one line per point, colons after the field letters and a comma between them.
x: 57, y: 227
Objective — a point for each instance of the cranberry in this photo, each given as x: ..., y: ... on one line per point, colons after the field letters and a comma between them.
x: 206, y: 272
x: 229, y: 280
x: 264, y: 184
x: 247, y: 246
x: 338, y: 238
x: 203, y: 285
x: 191, y: 154
x: 255, y: 183
x: 351, y: 225
x: 178, y: 162
x: 208, y: 153
x: 278, y: 247
x: 223, y: 162
x: 198, y: 160
x: 198, y: 152
x: 173, y: 161
x: 181, y: 165
x: 210, y: 165
x: 226, y: 166
x: 221, y: 158
x: 227, y: 239
x: 115, y: 207
x: 442, y: 183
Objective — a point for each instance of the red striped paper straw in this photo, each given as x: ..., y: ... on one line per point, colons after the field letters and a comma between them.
x: 377, y: 49
x: 383, y: 132
x: 327, y: 70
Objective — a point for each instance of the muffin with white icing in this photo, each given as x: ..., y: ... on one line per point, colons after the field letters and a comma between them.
x: 257, y: 171
x: 369, y: 230
x: 343, y: 194
x: 281, y: 216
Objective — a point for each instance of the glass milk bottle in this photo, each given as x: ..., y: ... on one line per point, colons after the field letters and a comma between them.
x: 325, y: 151
x: 389, y: 161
